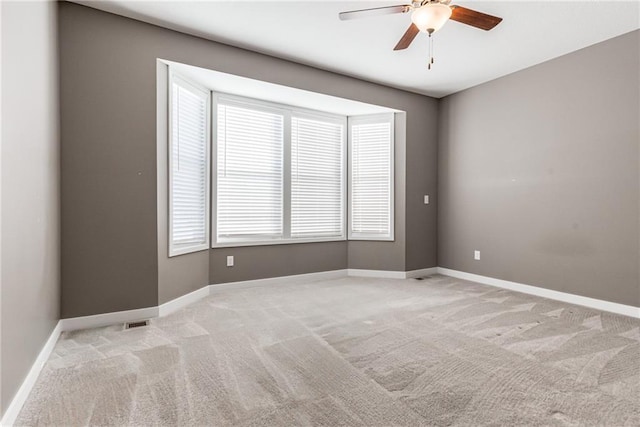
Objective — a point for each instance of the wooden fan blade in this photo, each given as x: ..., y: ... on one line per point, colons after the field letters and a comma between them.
x: 365, y: 13
x: 407, y: 37
x: 473, y: 18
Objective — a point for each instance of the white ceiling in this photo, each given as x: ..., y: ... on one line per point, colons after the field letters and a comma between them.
x: 309, y: 32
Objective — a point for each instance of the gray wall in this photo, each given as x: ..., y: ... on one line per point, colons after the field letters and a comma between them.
x: 539, y: 171
x: 108, y: 165
x: 422, y: 165
x: 30, y: 191
x: 111, y: 254
x: 256, y: 262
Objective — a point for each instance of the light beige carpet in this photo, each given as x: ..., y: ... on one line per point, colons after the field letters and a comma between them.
x: 350, y: 352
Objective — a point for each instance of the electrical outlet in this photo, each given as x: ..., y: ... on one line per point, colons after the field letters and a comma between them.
x: 476, y: 255
x: 230, y: 261
x: 426, y: 199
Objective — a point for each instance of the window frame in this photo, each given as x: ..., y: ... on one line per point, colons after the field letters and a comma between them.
x: 181, y: 249
x: 287, y: 112
x: 369, y: 119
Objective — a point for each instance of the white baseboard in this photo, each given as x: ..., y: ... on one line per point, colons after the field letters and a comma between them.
x: 385, y: 274
x: 10, y: 415
x: 308, y: 277
x: 421, y: 273
x: 382, y: 274
x: 180, y: 302
x: 106, y: 319
x: 613, y: 307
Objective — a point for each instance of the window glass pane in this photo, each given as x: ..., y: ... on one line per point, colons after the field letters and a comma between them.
x: 189, y: 167
x: 316, y: 178
x: 371, y: 178
x: 249, y: 174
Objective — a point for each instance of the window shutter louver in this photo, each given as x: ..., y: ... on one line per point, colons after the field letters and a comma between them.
x: 189, y: 168
x: 371, y: 173
x: 317, y: 161
x: 249, y: 173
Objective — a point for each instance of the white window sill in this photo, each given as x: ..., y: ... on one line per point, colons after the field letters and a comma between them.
x: 175, y: 251
x: 373, y: 238
x: 239, y: 243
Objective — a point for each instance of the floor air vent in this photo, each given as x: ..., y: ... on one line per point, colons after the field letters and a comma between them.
x: 136, y: 324
x: 423, y: 278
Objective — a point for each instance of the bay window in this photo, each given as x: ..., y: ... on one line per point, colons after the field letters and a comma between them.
x: 279, y: 174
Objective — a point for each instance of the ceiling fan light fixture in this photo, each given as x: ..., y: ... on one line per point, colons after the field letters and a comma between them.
x: 431, y: 17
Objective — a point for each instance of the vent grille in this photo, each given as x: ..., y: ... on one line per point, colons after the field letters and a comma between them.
x: 136, y: 324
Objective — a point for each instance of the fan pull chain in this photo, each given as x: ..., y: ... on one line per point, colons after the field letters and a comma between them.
x: 432, y: 50
x: 431, y: 61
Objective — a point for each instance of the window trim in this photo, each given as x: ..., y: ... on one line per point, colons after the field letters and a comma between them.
x: 287, y: 111
x: 181, y: 249
x: 373, y: 118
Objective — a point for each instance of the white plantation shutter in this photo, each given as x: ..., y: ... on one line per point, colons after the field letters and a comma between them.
x: 371, y: 178
x: 249, y: 177
x: 189, y: 168
x: 317, y: 184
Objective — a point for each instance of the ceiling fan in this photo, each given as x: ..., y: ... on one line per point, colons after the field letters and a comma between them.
x: 427, y: 16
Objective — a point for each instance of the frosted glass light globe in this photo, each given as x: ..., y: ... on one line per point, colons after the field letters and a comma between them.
x: 431, y: 17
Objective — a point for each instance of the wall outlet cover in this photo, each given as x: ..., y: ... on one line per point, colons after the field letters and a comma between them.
x: 230, y: 261
x: 476, y: 255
